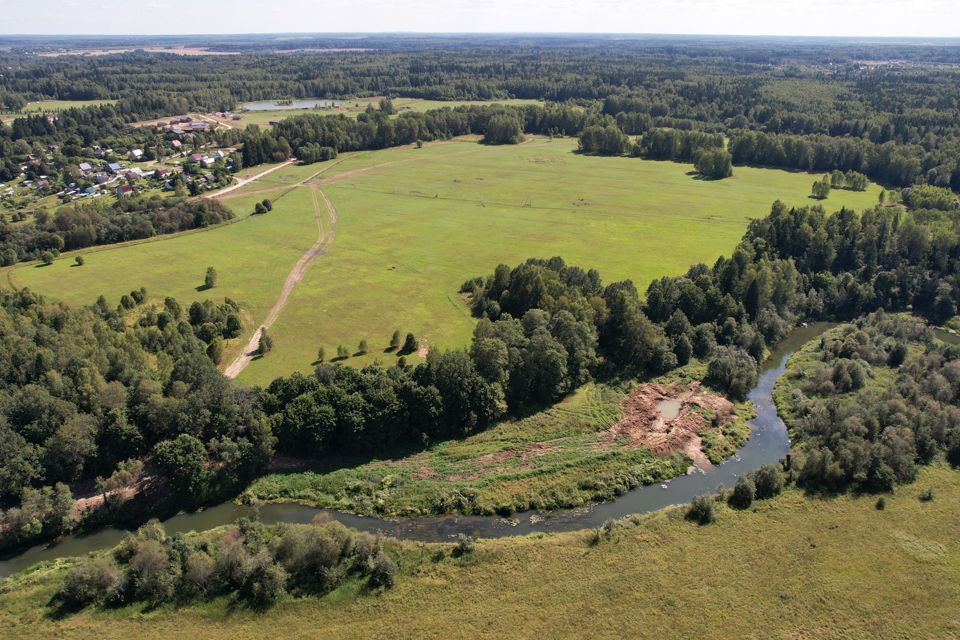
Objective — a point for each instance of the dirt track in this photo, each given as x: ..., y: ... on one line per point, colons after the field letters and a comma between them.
x: 320, y: 247
x: 242, y: 182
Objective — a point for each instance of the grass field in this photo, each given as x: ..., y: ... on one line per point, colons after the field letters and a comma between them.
x: 791, y: 567
x: 415, y: 223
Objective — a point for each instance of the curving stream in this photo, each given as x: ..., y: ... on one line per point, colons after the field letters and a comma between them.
x: 768, y: 443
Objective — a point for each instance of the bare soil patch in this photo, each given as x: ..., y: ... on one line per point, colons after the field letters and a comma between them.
x: 645, y: 425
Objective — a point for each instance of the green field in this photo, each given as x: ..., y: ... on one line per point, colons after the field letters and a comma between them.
x: 52, y: 106
x: 791, y: 567
x: 353, y: 107
x: 415, y: 223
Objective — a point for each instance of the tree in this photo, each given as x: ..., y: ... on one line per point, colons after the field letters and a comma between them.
x: 821, y: 188
x: 267, y: 204
x: 321, y: 354
x: 733, y: 371
x: 503, y: 129
x: 259, y: 208
x: 266, y: 342
x: 714, y: 163
x: 768, y: 481
x: 91, y: 582
x: 701, y: 510
x: 362, y: 347
x: 395, y: 340
x: 210, y: 279
x: 79, y: 261
x: 342, y: 352
x: 386, y: 106
x: 47, y: 257
x: 182, y: 461
x: 410, y: 344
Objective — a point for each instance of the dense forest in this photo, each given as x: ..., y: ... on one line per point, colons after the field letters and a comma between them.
x: 84, y: 395
x: 89, y: 224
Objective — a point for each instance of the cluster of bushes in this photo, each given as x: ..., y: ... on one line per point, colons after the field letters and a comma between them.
x: 252, y: 563
x: 881, y: 398
x: 84, y: 225
x: 764, y: 483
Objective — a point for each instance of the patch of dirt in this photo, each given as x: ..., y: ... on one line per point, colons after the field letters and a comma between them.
x: 644, y: 424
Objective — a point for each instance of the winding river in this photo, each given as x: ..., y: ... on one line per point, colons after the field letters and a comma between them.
x: 768, y: 443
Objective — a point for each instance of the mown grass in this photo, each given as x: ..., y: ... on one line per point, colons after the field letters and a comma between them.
x: 560, y: 457
x: 415, y: 223
x: 791, y: 567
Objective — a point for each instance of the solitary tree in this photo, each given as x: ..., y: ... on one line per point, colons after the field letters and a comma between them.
x: 210, y: 280
x: 395, y: 340
x: 821, y: 188
x: 266, y: 342
x: 882, y: 197
x: 410, y: 344
x: 362, y: 347
x: 342, y: 352
x: 321, y: 355
x: 267, y: 204
x: 79, y: 261
x: 259, y: 208
x: 47, y: 257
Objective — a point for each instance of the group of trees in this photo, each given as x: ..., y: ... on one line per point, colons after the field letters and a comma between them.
x: 252, y: 562
x: 82, y: 392
x: 83, y: 225
x: 853, y: 429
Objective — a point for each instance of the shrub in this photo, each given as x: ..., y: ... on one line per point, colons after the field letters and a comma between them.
x: 881, y: 503
x: 199, y: 569
x: 465, y: 545
x: 410, y: 344
x: 91, y: 582
x: 266, y: 342
x: 743, y: 493
x: 701, y: 510
x: 362, y: 347
x: 47, y: 257
x: 383, y: 570
x: 927, y: 495
x: 210, y: 278
x: 768, y: 481
x: 79, y: 261
x: 265, y: 582
x: 259, y: 208
x: 395, y: 340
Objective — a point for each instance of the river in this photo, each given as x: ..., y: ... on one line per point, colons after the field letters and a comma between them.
x: 768, y: 443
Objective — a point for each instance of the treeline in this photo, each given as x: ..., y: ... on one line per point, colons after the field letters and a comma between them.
x: 83, y: 395
x: 254, y: 564
x: 89, y: 224
x: 883, y: 398
x: 891, y: 163
x: 308, y: 134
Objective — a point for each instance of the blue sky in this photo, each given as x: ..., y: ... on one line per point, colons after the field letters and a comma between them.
x: 743, y: 17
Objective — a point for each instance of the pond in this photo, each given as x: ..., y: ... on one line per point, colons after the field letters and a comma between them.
x: 768, y: 443
x: 301, y: 103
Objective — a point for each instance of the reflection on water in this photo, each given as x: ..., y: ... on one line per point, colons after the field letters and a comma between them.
x: 670, y: 409
x: 768, y: 443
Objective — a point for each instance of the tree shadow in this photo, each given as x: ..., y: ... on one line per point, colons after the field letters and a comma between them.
x: 202, y: 287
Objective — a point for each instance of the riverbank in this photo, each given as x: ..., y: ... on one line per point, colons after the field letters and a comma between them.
x: 793, y: 566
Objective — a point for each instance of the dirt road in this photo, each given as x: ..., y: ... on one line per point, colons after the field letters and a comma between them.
x: 320, y: 247
x: 242, y: 182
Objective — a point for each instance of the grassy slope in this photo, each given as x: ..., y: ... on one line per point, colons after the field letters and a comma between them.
x: 400, y: 253
x: 792, y: 567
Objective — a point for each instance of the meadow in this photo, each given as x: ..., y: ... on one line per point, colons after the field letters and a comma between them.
x: 790, y: 567
x: 413, y: 224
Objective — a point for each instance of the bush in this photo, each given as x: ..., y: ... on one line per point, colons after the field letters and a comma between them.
x: 382, y: 569
x: 768, y: 481
x: 259, y: 209
x: 927, y: 495
x: 410, y: 344
x: 881, y: 503
x: 47, y: 257
x: 266, y: 342
x: 79, y: 261
x: 265, y: 583
x: 91, y: 582
x: 701, y: 510
x: 465, y: 545
x: 743, y: 493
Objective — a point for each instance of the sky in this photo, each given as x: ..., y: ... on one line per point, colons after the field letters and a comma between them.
x: 890, y: 18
